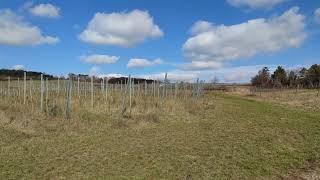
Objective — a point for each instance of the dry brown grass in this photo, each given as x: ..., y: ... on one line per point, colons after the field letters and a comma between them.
x: 214, y: 137
x: 307, y: 99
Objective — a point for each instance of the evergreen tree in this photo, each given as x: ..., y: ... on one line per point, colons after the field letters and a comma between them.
x: 279, y: 77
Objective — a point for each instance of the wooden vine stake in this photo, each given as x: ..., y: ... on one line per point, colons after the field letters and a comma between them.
x: 165, y: 85
x: 106, y: 90
x: 130, y: 87
x: 58, y: 86
x: 68, y: 98
x: 24, y: 87
x: 78, y: 88
x: 123, y: 108
x: 9, y: 87
x: 91, y: 91
x: 41, y: 92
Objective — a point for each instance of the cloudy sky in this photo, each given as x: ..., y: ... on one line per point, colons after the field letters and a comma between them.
x: 227, y: 39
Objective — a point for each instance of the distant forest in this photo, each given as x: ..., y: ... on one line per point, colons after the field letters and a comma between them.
x: 15, y: 74
x: 302, y: 77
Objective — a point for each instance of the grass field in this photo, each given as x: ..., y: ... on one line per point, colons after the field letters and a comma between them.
x: 308, y: 99
x: 221, y: 136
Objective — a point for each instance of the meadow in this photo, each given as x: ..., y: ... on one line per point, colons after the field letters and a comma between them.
x: 308, y: 99
x: 155, y: 132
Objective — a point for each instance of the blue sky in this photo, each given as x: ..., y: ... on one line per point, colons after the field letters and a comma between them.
x: 230, y: 39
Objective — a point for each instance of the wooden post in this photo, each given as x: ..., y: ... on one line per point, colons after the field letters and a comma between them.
x: 185, y: 90
x: 158, y: 84
x: 58, y: 86
x: 129, y: 83
x: 91, y: 91
x: 78, y: 88
x: 138, y: 89
x: 30, y: 87
x: 9, y: 87
x: 165, y: 85
x: 107, y: 84
x: 68, y: 98
x: 47, y: 94
x: 123, y: 108
x: 175, y: 90
x: 19, y: 87
x: 41, y: 92
x: 85, y: 88
x: 198, y: 88
x: 133, y: 85
x: 121, y: 86
x: 145, y: 87
x: 102, y: 86
x: 24, y: 87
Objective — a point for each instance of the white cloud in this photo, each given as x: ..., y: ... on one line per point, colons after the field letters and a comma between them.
x: 112, y: 75
x: 14, y: 31
x: 142, y: 63
x: 255, y: 4
x: 120, y: 29
x: 235, y: 76
x: 173, y: 76
x: 45, y: 10
x: 224, y: 43
x: 18, y: 67
x: 241, y: 74
x: 201, y: 65
x: 99, y: 59
x: 201, y: 26
x: 317, y: 15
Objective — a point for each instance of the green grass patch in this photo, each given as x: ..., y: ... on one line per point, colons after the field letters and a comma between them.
x: 230, y: 137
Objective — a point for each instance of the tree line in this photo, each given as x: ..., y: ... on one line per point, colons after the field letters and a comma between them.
x: 302, y: 77
x: 15, y: 74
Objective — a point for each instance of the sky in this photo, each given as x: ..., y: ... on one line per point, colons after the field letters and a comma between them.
x: 227, y: 39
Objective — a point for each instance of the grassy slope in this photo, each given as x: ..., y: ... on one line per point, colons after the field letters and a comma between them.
x: 230, y: 138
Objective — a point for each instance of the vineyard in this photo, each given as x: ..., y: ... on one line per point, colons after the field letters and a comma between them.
x: 63, y: 97
x: 132, y: 128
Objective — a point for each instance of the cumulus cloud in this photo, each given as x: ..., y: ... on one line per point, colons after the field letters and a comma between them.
x: 45, y: 10
x: 14, y: 31
x: 99, y: 59
x: 18, y: 67
x: 201, y: 65
x: 173, y: 76
x: 224, y: 43
x: 240, y: 74
x: 317, y: 15
x: 142, y: 63
x: 111, y: 75
x: 255, y: 4
x: 201, y: 26
x: 120, y: 29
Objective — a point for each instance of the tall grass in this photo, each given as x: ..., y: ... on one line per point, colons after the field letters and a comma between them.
x: 97, y: 97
